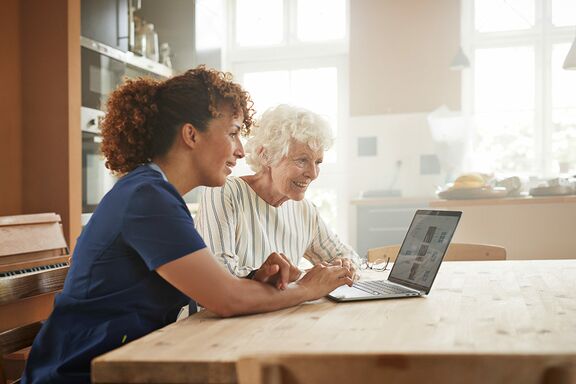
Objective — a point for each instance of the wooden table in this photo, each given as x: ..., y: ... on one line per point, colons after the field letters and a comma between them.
x: 490, y: 306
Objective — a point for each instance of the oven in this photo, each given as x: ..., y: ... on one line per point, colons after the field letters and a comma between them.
x: 97, y: 180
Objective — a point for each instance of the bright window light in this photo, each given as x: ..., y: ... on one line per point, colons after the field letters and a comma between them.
x: 504, y: 110
x: 563, y: 112
x: 503, y: 15
x: 563, y: 13
x: 320, y: 20
x: 259, y: 22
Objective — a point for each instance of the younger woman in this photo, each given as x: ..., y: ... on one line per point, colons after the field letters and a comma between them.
x: 139, y: 259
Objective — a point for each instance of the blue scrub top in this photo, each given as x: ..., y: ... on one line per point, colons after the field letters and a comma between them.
x: 112, y: 294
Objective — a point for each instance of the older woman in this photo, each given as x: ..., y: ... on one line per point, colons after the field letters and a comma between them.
x: 253, y: 216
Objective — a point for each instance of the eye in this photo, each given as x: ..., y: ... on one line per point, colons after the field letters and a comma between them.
x: 300, y: 162
x: 318, y: 162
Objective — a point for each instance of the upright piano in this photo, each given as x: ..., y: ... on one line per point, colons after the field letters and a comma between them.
x: 34, y: 261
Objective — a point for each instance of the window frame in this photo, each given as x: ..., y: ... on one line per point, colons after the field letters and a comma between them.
x: 542, y: 37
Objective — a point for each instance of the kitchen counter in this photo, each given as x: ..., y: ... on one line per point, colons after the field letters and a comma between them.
x: 506, y: 201
x: 528, y: 227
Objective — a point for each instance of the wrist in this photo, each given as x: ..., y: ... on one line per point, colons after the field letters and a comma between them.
x: 305, y: 292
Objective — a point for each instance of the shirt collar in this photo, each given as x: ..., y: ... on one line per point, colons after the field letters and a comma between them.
x: 155, y: 167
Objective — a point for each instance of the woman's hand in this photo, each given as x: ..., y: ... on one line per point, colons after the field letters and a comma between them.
x: 322, y: 279
x: 277, y: 271
x: 347, y: 263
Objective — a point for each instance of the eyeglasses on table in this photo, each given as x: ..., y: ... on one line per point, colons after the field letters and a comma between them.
x: 379, y: 265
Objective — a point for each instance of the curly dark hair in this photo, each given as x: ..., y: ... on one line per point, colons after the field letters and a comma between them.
x: 144, y: 115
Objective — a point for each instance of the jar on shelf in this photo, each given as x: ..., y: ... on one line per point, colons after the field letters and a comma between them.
x: 165, y: 55
x: 139, y: 47
x: 151, y: 43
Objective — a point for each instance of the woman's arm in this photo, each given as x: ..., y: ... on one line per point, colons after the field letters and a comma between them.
x: 326, y: 246
x: 200, y: 277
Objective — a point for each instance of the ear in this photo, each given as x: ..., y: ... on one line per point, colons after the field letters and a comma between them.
x: 190, y: 135
x: 263, y: 154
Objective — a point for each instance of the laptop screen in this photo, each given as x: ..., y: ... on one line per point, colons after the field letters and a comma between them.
x: 423, y: 248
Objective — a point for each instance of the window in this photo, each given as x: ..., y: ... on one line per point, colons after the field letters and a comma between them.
x: 522, y: 100
x: 295, y: 52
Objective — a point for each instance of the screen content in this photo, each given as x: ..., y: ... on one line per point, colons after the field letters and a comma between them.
x: 423, y: 249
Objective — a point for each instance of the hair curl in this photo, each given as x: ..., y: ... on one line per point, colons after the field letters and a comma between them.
x: 278, y: 127
x: 144, y: 115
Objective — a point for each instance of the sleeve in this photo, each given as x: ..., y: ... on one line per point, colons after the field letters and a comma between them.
x: 216, y: 222
x: 326, y: 245
x: 158, y: 226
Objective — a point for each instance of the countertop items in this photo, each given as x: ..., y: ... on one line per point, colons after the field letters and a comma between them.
x: 484, y: 192
x: 480, y: 186
x: 559, y: 186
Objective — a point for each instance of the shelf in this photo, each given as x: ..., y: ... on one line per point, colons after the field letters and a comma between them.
x: 127, y: 57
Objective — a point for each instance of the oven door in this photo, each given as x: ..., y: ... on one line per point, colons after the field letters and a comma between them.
x: 97, y: 180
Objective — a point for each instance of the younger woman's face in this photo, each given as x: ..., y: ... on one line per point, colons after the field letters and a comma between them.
x: 220, y: 147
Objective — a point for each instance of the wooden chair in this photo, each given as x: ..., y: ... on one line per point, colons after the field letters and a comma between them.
x: 455, y: 252
x: 401, y: 368
x: 34, y: 261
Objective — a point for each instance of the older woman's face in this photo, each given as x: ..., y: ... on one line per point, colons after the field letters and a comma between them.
x: 294, y: 173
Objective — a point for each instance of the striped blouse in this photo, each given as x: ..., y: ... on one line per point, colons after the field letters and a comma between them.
x: 242, y: 229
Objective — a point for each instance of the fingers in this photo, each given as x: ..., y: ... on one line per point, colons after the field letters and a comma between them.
x: 265, y: 272
x: 284, y: 273
x: 295, y: 272
x: 343, y: 272
x: 336, y: 262
x: 270, y: 270
x: 348, y: 281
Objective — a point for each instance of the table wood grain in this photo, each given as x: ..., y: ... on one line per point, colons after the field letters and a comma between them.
x: 516, y: 306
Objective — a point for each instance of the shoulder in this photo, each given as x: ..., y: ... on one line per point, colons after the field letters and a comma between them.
x: 146, y: 189
x: 234, y: 187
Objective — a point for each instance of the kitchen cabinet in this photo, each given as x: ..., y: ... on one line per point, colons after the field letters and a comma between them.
x: 106, y: 21
x: 174, y: 21
x: 109, y: 22
x: 528, y: 227
x: 385, y: 221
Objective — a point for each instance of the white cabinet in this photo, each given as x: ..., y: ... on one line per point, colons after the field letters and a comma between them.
x: 528, y: 227
x: 382, y: 222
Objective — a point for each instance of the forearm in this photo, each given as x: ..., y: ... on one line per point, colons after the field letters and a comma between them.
x: 247, y: 297
x: 202, y: 279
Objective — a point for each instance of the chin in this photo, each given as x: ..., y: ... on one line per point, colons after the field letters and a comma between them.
x: 298, y: 197
x: 216, y: 182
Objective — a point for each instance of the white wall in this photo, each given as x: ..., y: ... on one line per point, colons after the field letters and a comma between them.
x: 399, y: 138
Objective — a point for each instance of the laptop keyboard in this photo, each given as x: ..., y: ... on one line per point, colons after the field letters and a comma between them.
x: 381, y: 287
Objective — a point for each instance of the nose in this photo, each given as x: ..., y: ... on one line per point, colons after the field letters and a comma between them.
x: 312, y: 171
x: 239, y: 151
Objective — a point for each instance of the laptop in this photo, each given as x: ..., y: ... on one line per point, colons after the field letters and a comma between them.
x: 417, y: 263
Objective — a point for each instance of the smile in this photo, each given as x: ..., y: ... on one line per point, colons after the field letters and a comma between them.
x: 301, y: 185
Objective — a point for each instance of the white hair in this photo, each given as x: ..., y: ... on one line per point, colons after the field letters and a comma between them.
x: 272, y: 134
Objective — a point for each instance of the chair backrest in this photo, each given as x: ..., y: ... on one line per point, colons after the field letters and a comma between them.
x: 455, y: 252
x: 33, y: 266
x: 400, y: 368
